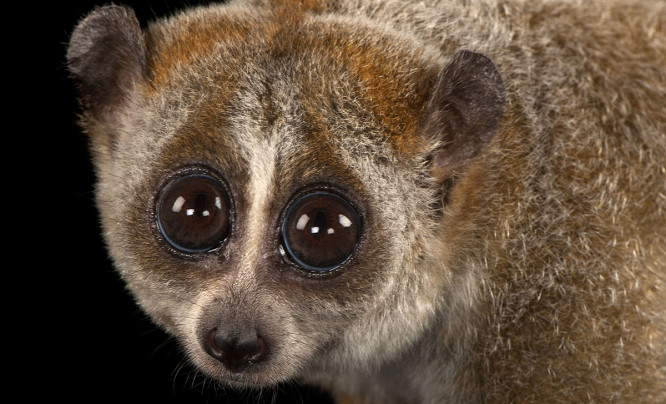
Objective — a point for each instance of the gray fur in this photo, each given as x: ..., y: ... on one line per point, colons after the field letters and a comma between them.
x: 517, y: 255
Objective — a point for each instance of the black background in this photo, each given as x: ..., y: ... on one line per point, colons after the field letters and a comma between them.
x: 78, y: 334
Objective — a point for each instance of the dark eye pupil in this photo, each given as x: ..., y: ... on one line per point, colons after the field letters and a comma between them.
x: 193, y: 213
x: 320, y: 231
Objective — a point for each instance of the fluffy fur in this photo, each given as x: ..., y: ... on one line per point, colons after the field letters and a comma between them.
x: 521, y: 260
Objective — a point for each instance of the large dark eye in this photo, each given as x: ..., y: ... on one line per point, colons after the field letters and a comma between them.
x: 193, y: 213
x: 320, y: 231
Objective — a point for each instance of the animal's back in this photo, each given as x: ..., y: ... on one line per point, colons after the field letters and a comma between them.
x: 573, y: 213
x: 576, y: 232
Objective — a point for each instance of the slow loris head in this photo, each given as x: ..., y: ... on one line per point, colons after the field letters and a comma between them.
x: 272, y: 181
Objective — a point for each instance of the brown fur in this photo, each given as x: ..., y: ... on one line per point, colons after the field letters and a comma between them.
x: 514, y: 228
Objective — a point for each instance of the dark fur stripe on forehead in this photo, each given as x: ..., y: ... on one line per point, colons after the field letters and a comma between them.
x: 392, y: 82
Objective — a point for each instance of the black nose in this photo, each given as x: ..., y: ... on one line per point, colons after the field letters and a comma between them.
x: 236, y: 350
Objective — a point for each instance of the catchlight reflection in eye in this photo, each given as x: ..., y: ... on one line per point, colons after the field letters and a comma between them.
x: 193, y: 213
x: 304, y: 219
x: 178, y: 205
x: 320, y: 231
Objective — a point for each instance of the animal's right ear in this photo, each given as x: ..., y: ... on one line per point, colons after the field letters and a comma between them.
x: 107, y: 59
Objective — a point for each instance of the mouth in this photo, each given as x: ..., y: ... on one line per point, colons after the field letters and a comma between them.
x: 252, y: 375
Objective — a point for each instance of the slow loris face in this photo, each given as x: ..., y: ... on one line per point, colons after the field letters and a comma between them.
x: 265, y: 180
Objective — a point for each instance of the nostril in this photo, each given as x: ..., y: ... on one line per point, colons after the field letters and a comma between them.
x: 259, y: 350
x: 236, y: 351
x: 216, y: 348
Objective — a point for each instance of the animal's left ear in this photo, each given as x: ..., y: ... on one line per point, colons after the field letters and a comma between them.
x: 464, y: 112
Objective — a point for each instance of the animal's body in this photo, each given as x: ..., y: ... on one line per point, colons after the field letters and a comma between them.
x: 498, y: 169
